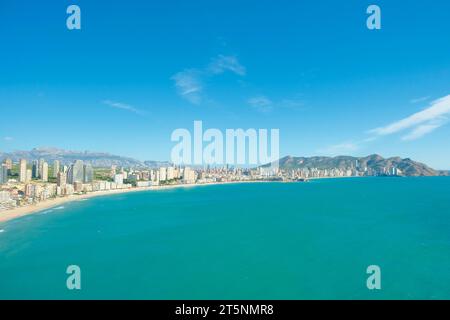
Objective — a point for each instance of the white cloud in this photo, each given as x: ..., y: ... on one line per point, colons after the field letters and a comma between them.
x: 422, y: 122
x: 261, y: 103
x: 189, y: 82
x: 421, y: 99
x: 226, y: 63
x: 264, y: 104
x: 422, y: 130
x: 189, y: 85
x: 419, y: 124
x: 122, y: 106
x: 8, y: 139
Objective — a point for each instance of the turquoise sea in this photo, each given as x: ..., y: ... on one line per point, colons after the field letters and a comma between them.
x: 238, y: 241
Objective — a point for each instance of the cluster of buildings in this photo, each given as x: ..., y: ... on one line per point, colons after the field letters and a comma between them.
x: 36, y: 181
x: 172, y: 175
x: 352, y: 171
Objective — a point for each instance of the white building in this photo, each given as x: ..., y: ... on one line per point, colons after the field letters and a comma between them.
x: 118, y: 179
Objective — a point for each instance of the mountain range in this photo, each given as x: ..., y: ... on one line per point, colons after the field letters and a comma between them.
x: 101, y: 159
x: 374, y: 162
x: 97, y: 159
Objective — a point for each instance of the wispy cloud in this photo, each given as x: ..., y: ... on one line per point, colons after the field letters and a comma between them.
x: 422, y: 130
x: 421, y: 123
x: 226, y: 63
x: 261, y: 103
x: 122, y: 106
x: 189, y: 85
x: 264, y: 104
x: 8, y: 139
x: 421, y: 99
x: 189, y: 82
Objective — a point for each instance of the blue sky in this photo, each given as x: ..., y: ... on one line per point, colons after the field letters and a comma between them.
x: 137, y: 70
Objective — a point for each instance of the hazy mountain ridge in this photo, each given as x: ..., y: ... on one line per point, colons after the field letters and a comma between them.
x: 102, y: 159
x: 374, y: 162
x: 97, y: 159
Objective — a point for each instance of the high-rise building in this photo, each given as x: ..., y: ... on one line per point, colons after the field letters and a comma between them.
x: 56, y: 168
x: 118, y: 179
x: 22, y: 170
x: 76, y: 172
x: 170, y: 173
x: 29, y: 175
x: 35, y: 169
x: 61, y: 179
x: 41, y: 164
x: 88, y: 173
x: 162, y: 174
x: 3, y: 174
x: 44, y: 174
x: 8, y: 163
x: 188, y: 175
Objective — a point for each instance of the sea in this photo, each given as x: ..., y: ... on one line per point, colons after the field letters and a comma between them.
x: 308, y: 240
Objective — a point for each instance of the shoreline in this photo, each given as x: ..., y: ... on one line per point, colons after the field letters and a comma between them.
x: 11, y: 214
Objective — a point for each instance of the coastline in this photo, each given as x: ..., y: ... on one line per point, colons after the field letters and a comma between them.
x: 11, y: 214
x: 8, y: 215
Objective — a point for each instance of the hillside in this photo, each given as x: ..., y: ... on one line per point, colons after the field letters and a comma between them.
x: 374, y: 162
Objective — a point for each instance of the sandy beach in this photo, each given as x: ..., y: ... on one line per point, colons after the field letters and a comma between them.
x: 18, y: 212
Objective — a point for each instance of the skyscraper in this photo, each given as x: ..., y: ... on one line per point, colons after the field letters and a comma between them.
x: 41, y: 163
x: 88, y: 173
x: 22, y: 170
x: 8, y: 163
x: 56, y: 168
x: 170, y: 173
x: 29, y: 175
x: 162, y: 174
x: 3, y: 174
x: 44, y: 174
x: 76, y: 172
x: 35, y: 169
x: 61, y: 179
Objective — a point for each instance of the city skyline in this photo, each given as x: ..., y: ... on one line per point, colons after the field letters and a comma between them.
x: 132, y: 75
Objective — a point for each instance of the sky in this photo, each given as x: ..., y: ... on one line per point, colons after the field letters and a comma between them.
x: 138, y: 70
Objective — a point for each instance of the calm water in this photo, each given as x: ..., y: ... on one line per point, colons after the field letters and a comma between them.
x: 258, y: 241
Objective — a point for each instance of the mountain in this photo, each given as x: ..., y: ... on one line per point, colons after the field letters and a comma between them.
x: 372, y: 162
x: 97, y: 159
x: 156, y: 164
